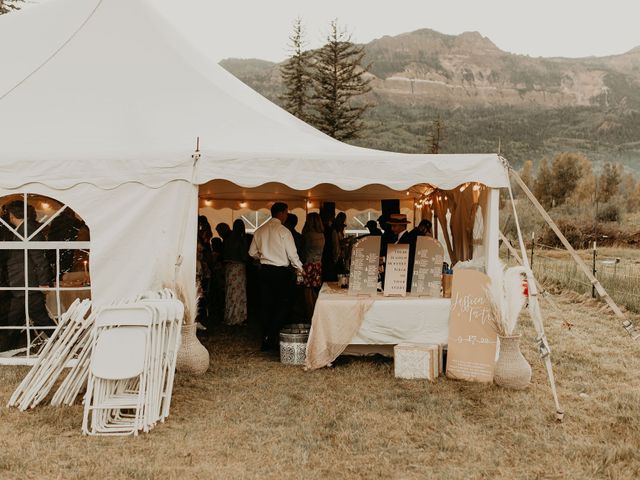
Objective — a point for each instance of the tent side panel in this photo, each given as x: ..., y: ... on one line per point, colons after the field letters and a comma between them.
x: 135, y: 235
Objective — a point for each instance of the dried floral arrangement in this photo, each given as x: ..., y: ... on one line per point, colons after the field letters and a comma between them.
x: 506, y: 300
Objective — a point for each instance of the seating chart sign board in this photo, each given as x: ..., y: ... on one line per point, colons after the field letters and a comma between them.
x: 396, y: 269
x: 472, y: 338
x: 363, y: 274
x: 427, y: 269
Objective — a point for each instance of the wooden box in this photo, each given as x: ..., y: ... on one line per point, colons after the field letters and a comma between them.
x: 412, y: 360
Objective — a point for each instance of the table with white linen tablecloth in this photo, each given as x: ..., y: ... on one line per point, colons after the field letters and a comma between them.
x: 360, y: 324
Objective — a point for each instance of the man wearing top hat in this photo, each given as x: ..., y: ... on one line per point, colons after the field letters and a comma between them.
x: 398, y: 223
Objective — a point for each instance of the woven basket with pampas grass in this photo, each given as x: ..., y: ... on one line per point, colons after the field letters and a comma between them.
x: 506, y: 300
x: 193, y: 357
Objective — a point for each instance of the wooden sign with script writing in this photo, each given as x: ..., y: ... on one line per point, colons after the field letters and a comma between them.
x: 396, y: 269
x: 363, y: 275
x: 427, y: 268
x: 472, y: 338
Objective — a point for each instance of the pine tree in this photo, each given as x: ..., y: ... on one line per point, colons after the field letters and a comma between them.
x: 338, y: 78
x: 7, y: 6
x: 296, y: 75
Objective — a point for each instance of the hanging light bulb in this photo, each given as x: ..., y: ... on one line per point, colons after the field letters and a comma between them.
x: 208, y: 203
x: 243, y: 204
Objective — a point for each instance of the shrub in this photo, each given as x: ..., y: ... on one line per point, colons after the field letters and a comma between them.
x: 609, y: 212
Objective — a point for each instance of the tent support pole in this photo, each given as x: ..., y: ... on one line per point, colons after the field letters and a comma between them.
x: 626, y: 323
x: 192, y: 301
x: 536, y: 315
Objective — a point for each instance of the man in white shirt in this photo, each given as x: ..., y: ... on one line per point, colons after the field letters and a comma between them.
x: 274, y: 247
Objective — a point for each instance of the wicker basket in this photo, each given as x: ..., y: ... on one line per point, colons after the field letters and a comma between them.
x: 193, y: 357
x: 293, y: 344
x: 512, y: 369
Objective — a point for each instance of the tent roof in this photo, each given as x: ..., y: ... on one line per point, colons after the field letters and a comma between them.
x: 84, y: 101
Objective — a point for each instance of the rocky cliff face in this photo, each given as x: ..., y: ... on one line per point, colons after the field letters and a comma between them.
x: 426, y: 67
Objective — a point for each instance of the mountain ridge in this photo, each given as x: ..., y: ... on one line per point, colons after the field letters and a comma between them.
x: 592, y: 102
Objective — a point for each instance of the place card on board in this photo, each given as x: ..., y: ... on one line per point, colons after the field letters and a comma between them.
x: 427, y: 269
x: 363, y: 274
x: 472, y: 338
x: 396, y: 269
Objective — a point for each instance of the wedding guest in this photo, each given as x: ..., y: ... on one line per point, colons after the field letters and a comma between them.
x: 329, y: 273
x: 422, y: 230
x: 216, y: 299
x: 38, y: 274
x: 372, y: 226
x: 223, y: 230
x: 63, y: 228
x: 234, y: 255
x: 204, y: 265
x: 387, y: 236
x: 291, y: 223
x: 274, y: 247
x: 398, y: 223
x: 313, y: 236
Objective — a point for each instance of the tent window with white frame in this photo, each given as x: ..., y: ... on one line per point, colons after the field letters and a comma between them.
x: 44, y: 267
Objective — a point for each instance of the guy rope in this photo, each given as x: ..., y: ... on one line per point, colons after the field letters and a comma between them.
x: 626, y: 323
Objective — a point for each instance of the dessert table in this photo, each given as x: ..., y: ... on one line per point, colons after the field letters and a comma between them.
x: 369, y: 324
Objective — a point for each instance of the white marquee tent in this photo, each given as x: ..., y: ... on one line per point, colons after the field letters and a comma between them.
x: 101, y: 102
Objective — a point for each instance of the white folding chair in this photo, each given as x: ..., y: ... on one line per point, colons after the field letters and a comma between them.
x: 119, y: 370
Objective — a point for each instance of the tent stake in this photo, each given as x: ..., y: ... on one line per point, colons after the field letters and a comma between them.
x: 626, y: 324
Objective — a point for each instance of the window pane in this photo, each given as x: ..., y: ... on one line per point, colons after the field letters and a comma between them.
x: 38, y: 284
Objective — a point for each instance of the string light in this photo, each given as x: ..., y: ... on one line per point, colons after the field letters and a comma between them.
x: 208, y: 203
x: 243, y: 204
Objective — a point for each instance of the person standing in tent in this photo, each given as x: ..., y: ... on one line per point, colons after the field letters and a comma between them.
x: 234, y: 254
x: 204, y: 261
x: 398, y: 223
x: 313, y: 240
x: 422, y: 230
x: 274, y: 247
x: 38, y: 274
x: 387, y: 235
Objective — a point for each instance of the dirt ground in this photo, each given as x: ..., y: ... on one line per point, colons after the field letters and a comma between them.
x: 251, y: 417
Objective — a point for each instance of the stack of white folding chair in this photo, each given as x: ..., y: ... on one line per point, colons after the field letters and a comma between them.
x: 71, y: 337
x: 131, y: 371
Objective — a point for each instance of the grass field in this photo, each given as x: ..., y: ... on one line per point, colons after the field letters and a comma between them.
x: 556, y: 269
x: 251, y: 417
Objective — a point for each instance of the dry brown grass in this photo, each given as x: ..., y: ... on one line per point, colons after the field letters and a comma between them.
x: 556, y: 269
x: 250, y: 417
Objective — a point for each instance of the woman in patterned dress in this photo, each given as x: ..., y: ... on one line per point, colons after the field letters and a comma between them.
x: 313, y: 241
x: 235, y: 257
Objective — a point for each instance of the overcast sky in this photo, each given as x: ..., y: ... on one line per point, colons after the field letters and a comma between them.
x: 259, y: 28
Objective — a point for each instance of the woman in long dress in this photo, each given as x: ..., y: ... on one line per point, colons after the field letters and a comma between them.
x: 313, y: 241
x: 235, y: 257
